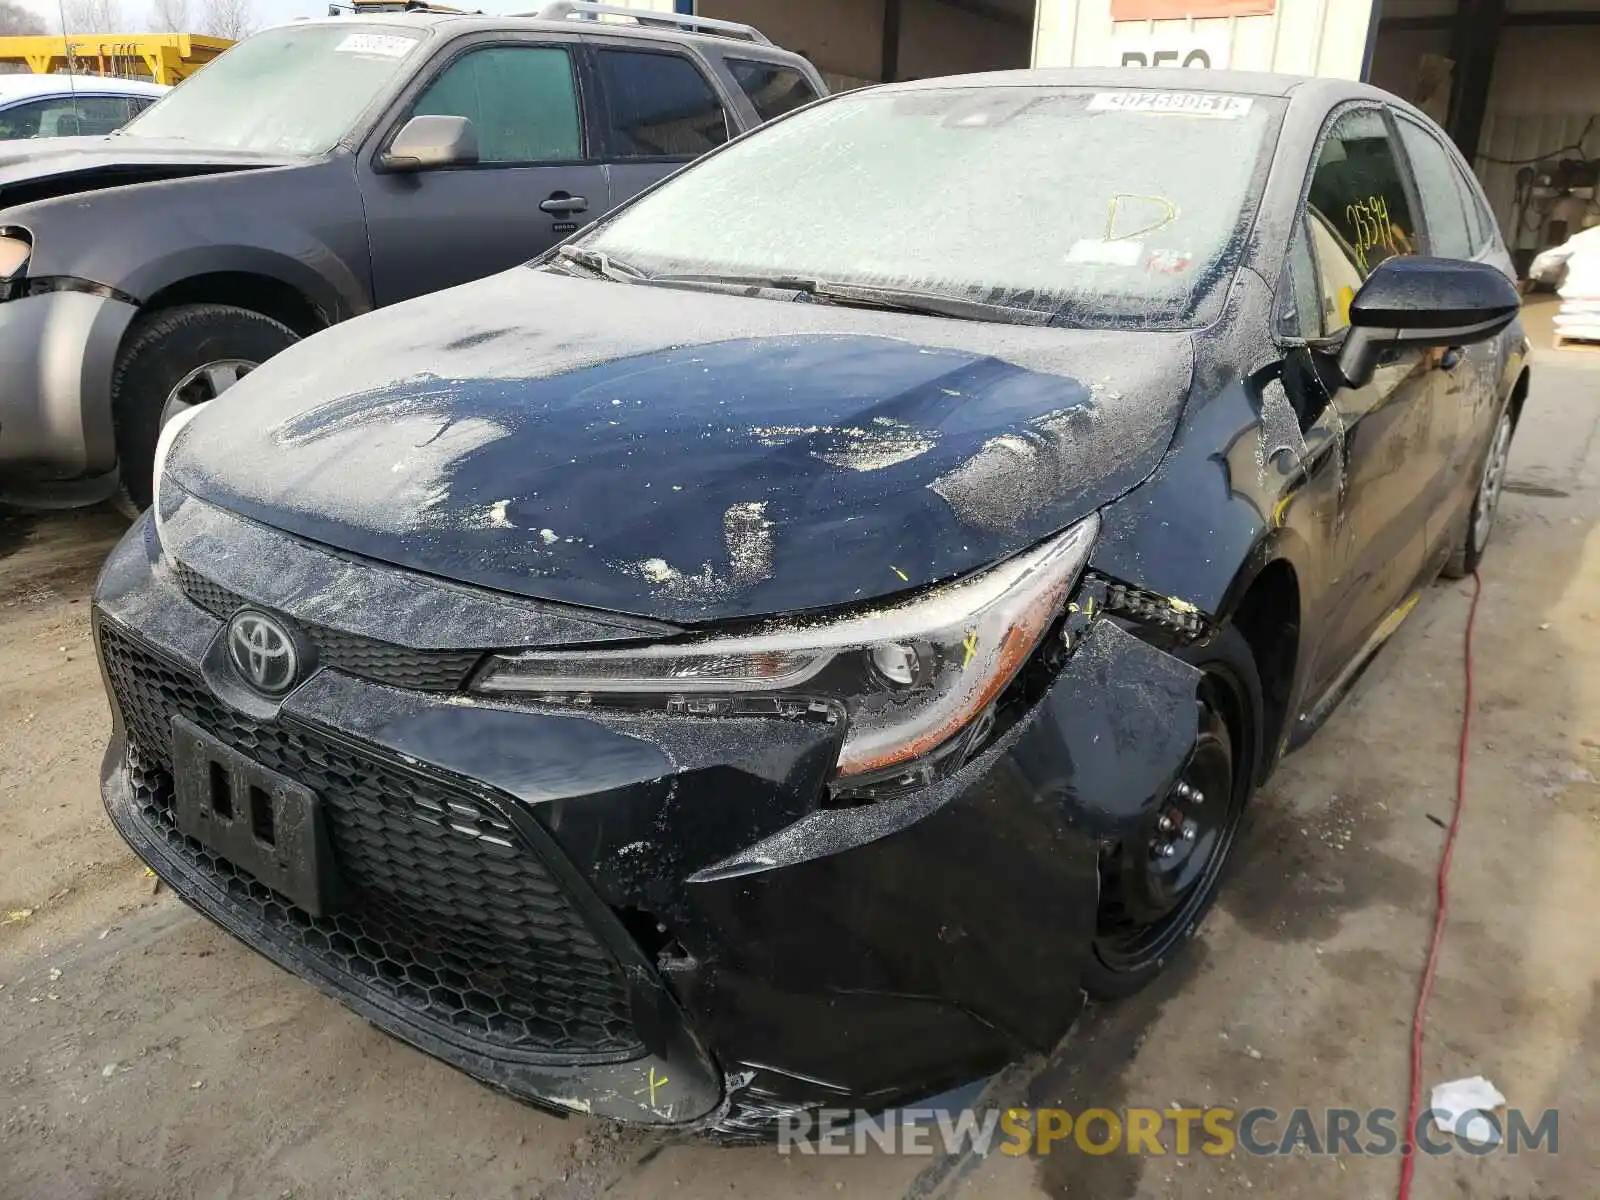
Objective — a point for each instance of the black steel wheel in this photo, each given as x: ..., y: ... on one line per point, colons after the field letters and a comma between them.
x: 1157, y: 884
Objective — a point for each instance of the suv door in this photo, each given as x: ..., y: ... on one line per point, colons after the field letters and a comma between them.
x: 659, y: 108
x: 537, y: 178
x: 1358, y: 213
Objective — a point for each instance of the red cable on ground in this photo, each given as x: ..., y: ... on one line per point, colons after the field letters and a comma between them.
x: 1419, y: 1017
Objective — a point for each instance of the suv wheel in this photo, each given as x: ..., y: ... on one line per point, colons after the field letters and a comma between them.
x: 173, y: 359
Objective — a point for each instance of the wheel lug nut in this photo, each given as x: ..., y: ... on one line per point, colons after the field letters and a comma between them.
x: 1196, y: 797
x: 1166, y: 824
x: 1168, y: 850
x: 1188, y: 832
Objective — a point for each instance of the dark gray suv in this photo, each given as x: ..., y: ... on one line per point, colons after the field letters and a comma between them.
x: 315, y: 172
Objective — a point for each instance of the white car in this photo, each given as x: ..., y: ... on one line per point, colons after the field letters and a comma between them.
x: 34, y: 106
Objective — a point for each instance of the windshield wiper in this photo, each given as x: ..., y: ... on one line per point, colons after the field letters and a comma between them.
x: 602, y: 264
x: 862, y: 295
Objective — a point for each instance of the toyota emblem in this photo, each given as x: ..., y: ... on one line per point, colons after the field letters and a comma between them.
x: 263, y: 652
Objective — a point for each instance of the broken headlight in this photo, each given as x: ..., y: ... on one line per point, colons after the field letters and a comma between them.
x: 915, y: 680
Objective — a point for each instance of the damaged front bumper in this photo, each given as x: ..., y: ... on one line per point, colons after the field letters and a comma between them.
x: 654, y: 918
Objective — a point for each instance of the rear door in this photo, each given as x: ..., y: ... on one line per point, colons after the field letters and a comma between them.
x: 659, y: 107
x: 1359, y: 213
x: 537, y: 179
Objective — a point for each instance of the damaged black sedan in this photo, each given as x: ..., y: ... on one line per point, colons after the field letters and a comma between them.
x: 788, y: 645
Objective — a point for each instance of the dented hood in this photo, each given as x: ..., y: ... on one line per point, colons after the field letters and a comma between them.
x: 683, y: 455
x: 28, y: 166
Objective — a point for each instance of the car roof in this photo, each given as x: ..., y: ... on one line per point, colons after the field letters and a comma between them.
x: 26, y: 86
x: 1147, y: 79
x: 492, y: 23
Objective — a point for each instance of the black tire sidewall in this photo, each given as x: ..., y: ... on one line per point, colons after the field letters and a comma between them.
x: 160, y: 350
x: 1225, y: 654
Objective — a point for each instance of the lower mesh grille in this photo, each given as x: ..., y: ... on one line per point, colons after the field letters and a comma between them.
x: 450, y: 919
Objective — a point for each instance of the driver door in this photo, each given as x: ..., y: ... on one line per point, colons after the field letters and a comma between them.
x: 537, y: 179
x: 1359, y: 213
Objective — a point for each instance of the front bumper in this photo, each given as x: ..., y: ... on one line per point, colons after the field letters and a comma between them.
x: 655, y: 919
x: 59, y: 350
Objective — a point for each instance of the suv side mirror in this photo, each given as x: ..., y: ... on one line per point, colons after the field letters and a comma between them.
x: 428, y: 142
x: 1411, y: 301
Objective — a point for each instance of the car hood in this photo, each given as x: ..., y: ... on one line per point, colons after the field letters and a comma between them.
x: 38, y: 167
x: 683, y: 455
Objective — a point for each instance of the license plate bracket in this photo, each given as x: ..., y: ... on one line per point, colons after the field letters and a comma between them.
x: 260, y: 821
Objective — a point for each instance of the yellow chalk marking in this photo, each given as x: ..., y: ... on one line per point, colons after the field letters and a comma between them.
x: 970, y: 645
x: 903, y: 576
x: 1089, y: 609
x: 1279, y: 509
x: 655, y: 1082
x: 1394, y: 619
x: 17, y: 914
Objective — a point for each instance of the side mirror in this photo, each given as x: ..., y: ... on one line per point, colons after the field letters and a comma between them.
x: 428, y: 142
x: 1424, y: 302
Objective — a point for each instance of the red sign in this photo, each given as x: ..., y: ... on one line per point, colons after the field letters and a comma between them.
x: 1177, y: 10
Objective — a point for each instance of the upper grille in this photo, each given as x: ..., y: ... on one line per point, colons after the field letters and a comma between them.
x: 369, y: 658
x: 449, y: 914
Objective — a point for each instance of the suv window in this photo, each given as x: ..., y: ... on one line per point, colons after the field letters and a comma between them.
x: 773, y: 90
x: 659, y: 106
x: 1450, y: 234
x: 521, y: 100
x: 1359, y: 210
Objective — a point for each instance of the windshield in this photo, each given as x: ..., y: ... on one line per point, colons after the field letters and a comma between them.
x: 1117, y: 209
x: 296, y: 90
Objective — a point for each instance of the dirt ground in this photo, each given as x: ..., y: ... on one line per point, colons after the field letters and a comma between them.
x: 143, y: 1053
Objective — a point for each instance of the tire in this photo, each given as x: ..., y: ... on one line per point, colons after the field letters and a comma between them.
x: 192, y: 347
x: 1150, y: 907
x: 1485, y: 502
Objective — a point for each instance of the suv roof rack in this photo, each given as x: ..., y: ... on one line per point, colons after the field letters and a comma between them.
x: 561, y: 10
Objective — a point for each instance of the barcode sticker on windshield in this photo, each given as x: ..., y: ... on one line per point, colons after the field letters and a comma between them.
x: 1184, y: 104
x: 385, y: 44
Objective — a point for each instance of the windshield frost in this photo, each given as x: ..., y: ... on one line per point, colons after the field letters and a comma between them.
x: 1120, y: 208
x: 297, y: 90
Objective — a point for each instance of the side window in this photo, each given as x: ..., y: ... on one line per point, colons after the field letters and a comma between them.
x: 773, y: 90
x: 1484, y: 226
x: 1450, y: 233
x: 1358, y: 212
x: 25, y: 120
x: 102, y: 114
x: 521, y: 100
x: 659, y: 106
x: 1359, y: 191
x: 1341, y: 278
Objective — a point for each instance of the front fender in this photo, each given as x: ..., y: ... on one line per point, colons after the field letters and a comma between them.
x: 302, y: 225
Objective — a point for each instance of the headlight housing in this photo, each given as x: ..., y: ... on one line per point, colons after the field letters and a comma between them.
x: 169, y: 435
x: 915, y: 681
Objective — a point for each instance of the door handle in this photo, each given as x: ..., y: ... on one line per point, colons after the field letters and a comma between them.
x: 562, y: 203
